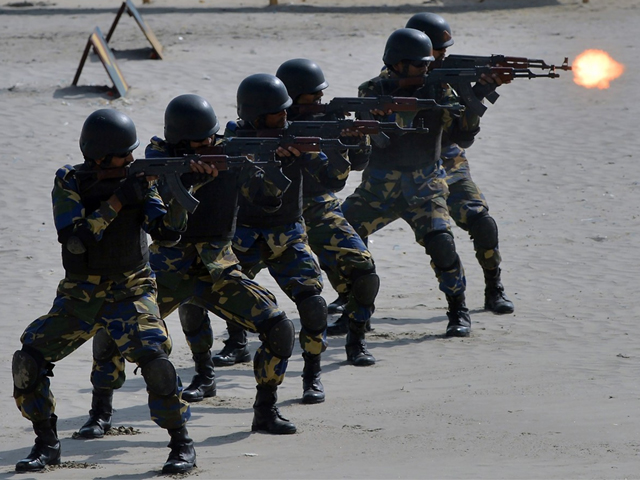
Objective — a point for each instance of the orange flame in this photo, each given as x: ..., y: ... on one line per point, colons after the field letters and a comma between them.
x: 595, y: 69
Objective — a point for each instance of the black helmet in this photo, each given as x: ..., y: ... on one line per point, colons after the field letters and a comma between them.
x: 107, y: 132
x: 436, y: 28
x: 189, y: 117
x: 260, y: 94
x: 407, y: 44
x: 301, y: 76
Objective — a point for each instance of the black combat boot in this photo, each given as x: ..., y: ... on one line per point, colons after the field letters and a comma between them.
x: 495, y: 299
x: 356, y: 346
x: 182, y: 457
x: 235, y: 348
x: 203, y: 384
x: 99, y: 421
x: 266, y: 416
x: 337, y: 306
x: 312, y: 389
x: 339, y: 327
x: 459, y: 319
x: 46, y: 450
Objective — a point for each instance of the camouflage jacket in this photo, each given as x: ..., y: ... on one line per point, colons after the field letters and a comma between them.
x: 419, y: 149
x: 69, y: 214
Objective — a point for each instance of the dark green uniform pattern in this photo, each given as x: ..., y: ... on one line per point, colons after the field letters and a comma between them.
x: 465, y: 200
x: 339, y: 249
x: 418, y: 195
x: 285, y: 252
x: 123, y: 304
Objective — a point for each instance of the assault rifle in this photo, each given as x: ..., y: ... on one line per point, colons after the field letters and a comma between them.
x: 333, y: 129
x: 460, y: 79
x: 267, y: 142
x: 340, y: 106
x: 472, y: 61
x: 171, y: 168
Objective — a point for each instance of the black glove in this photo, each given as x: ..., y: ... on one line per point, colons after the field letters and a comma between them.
x: 132, y: 190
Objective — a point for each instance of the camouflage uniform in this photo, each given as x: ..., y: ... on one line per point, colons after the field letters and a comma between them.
x: 415, y: 191
x: 279, y: 242
x: 465, y: 200
x: 340, y: 250
x: 207, y: 274
x: 123, y: 304
x: 342, y: 254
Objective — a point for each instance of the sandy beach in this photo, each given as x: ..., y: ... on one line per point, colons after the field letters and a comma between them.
x: 549, y: 392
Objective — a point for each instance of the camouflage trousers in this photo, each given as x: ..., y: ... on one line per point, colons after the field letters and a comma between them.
x: 232, y: 297
x: 466, y: 202
x: 418, y: 197
x: 83, y: 306
x: 340, y: 251
x: 285, y: 252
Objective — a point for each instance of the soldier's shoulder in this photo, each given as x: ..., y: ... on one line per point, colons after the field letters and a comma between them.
x: 373, y: 83
x: 231, y: 128
x: 67, y: 172
x: 157, y: 148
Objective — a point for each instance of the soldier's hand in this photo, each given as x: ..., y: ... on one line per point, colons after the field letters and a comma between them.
x: 203, y: 168
x: 287, y: 152
x: 351, y: 132
x: 380, y: 113
x: 494, y: 78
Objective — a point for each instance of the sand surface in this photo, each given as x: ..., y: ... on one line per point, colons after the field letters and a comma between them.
x: 550, y: 392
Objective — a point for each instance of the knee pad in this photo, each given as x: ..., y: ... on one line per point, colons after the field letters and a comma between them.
x: 484, y: 232
x: 280, y: 336
x: 313, y: 314
x: 442, y: 250
x: 191, y: 317
x: 160, y: 375
x: 27, y: 369
x: 365, y: 288
x: 104, y: 348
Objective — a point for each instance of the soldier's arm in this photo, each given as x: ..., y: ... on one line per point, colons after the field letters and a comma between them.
x: 462, y: 129
x: 163, y: 221
x: 69, y: 213
x: 264, y: 187
x: 332, y: 174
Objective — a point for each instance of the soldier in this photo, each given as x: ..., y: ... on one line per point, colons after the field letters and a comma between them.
x: 202, y: 268
x: 108, y: 287
x: 467, y: 205
x: 405, y: 180
x: 341, y: 252
x: 278, y: 240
